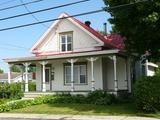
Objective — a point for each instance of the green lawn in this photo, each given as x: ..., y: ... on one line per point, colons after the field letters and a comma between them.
x: 84, y: 109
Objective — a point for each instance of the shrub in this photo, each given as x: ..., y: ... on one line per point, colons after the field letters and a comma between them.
x: 12, y: 91
x: 147, y: 93
x: 31, y: 86
x: 100, y: 97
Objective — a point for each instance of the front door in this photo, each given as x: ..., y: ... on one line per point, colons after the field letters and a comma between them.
x: 48, y: 78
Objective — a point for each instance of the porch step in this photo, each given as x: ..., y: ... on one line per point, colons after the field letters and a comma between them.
x: 32, y: 95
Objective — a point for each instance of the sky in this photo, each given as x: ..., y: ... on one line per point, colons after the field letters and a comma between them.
x: 17, y: 42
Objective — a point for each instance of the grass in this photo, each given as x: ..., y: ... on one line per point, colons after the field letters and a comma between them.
x: 85, y: 109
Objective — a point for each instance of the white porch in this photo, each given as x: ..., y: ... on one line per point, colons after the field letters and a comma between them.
x: 106, y: 71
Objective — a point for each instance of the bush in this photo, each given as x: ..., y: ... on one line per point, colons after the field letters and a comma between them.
x: 147, y: 93
x: 100, y: 97
x: 12, y: 91
x: 31, y: 86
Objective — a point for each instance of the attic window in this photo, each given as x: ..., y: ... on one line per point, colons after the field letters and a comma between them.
x: 66, y: 42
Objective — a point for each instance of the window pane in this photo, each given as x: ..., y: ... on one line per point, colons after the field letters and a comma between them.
x: 67, y: 74
x: 82, y: 79
x: 68, y: 69
x: 69, y: 38
x: 83, y: 69
x: 76, y: 74
x: 63, y: 39
x: 68, y: 79
x: 69, y: 47
x: 63, y: 47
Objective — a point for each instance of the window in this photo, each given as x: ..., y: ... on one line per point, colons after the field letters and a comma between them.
x: 79, y: 76
x: 66, y: 42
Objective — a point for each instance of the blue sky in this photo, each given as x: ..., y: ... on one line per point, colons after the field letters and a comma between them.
x: 17, y: 42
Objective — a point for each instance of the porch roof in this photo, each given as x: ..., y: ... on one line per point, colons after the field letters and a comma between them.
x: 61, y: 56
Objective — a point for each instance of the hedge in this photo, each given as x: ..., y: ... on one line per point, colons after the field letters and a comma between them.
x: 147, y: 94
x: 11, y: 91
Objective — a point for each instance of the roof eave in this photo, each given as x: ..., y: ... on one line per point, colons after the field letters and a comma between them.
x: 65, y: 56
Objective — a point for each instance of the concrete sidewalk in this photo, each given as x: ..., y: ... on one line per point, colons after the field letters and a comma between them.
x: 10, y: 116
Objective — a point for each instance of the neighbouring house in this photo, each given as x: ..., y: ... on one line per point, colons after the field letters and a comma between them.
x: 15, y: 77
x: 73, y: 57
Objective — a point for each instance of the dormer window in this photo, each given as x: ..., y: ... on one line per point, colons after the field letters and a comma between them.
x: 66, y: 42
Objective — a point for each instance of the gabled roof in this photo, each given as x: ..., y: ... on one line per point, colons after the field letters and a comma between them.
x: 111, y: 41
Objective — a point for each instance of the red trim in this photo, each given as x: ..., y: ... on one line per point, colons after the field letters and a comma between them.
x: 112, y: 40
x: 39, y: 56
x: 114, y: 43
x: 57, y: 54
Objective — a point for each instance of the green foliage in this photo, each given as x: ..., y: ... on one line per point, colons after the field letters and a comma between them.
x: 97, y: 97
x: 24, y: 103
x: 100, y: 97
x: 12, y: 91
x: 147, y: 93
x: 1, y: 71
x: 14, y: 68
x: 157, y: 73
x: 2, y: 101
x: 139, y: 23
x: 31, y: 86
x: 65, y: 99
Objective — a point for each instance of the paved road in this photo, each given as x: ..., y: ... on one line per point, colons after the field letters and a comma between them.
x: 10, y: 116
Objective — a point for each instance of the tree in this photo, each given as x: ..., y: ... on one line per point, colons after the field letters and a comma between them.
x: 139, y: 23
x: 14, y: 68
x: 1, y: 71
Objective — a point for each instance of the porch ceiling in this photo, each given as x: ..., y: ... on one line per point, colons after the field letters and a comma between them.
x: 60, y: 56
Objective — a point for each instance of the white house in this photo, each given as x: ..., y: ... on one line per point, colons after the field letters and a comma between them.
x: 15, y: 77
x: 73, y: 57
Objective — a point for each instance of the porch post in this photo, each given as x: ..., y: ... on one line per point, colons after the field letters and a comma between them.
x: 26, y: 76
x: 129, y: 74
x: 115, y: 74
x: 9, y: 73
x: 92, y: 59
x: 146, y: 67
x: 43, y: 63
x: 72, y: 61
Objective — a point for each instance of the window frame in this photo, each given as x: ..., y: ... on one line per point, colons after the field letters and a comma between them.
x: 66, y: 43
x: 76, y: 64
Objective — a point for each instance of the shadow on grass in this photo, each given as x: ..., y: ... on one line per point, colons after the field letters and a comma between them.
x: 123, y: 109
x: 127, y: 109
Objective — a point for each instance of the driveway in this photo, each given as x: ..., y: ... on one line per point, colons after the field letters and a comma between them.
x: 10, y: 116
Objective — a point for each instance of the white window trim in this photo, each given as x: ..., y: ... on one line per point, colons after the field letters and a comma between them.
x: 66, y: 42
x: 86, y: 82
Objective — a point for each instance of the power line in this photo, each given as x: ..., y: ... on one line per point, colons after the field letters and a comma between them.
x: 15, y: 6
x: 34, y: 17
x: 124, y: 5
x: 76, y: 15
x: 42, y: 10
x: 35, y: 23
